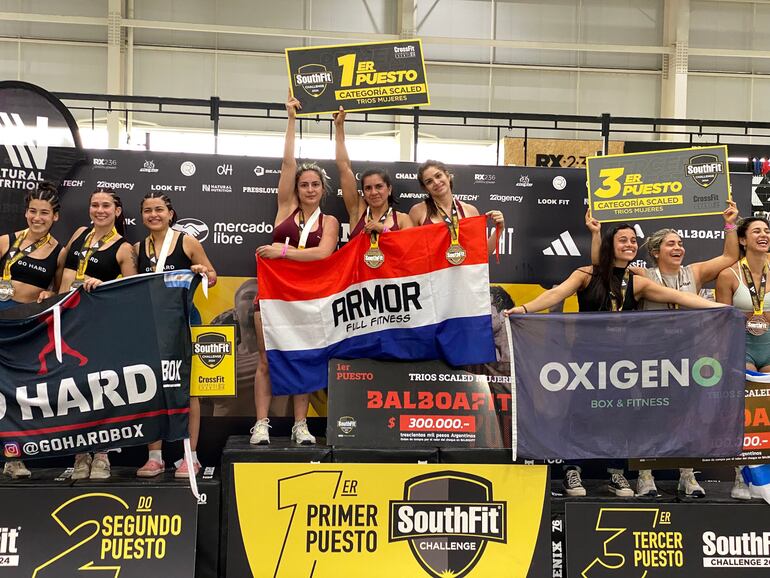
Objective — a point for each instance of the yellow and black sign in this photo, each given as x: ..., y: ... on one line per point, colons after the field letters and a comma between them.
x: 388, y: 520
x: 657, y: 184
x: 213, y: 361
x: 358, y: 76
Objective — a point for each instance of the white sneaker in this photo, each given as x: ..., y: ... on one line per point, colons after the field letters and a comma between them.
x: 259, y: 433
x: 620, y: 487
x: 100, y: 467
x: 740, y: 490
x: 300, y: 433
x: 82, y: 469
x: 16, y: 469
x: 573, y: 485
x: 645, y: 485
x: 689, y: 485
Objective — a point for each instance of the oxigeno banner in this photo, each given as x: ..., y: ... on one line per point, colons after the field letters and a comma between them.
x: 650, y: 185
x: 128, y: 532
x: 383, y: 520
x: 608, y: 385
x: 229, y: 204
x: 102, y: 393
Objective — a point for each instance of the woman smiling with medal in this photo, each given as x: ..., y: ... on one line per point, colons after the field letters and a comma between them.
x: 372, y: 213
x: 94, y: 255
x: 31, y: 265
x: 441, y: 206
x: 301, y: 233
x: 167, y: 250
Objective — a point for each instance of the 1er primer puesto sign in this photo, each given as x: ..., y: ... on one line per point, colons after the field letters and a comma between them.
x: 358, y: 76
x: 653, y: 185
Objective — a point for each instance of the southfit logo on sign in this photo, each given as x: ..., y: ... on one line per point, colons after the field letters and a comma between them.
x: 211, y: 348
x: 313, y: 79
x: 447, y: 519
x: 747, y: 550
x: 704, y: 169
x: 9, y: 551
x: 626, y: 374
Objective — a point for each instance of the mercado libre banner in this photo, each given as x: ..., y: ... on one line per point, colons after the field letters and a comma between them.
x: 416, y: 305
x: 229, y: 204
x: 383, y: 520
x: 124, y: 374
x: 358, y: 76
x: 650, y: 185
x: 667, y: 541
x: 394, y: 404
x: 131, y: 532
x: 608, y: 385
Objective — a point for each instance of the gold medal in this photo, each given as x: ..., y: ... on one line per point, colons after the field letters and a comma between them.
x: 455, y: 254
x: 374, y: 257
x: 757, y: 325
x: 76, y: 284
x: 6, y: 290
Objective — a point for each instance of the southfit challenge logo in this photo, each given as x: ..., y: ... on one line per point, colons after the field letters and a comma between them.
x: 211, y: 348
x: 704, y: 169
x: 313, y: 79
x: 626, y: 374
x: 447, y: 518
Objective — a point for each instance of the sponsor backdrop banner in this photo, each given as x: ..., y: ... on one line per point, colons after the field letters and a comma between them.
x: 388, y: 520
x: 358, y: 76
x: 605, y: 385
x: 393, y: 404
x: 419, y: 303
x: 133, y: 532
x: 672, y: 540
x: 32, y: 121
x: 214, y: 359
x: 673, y: 183
x: 229, y: 204
x: 554, y: 152
x: 102, y: 394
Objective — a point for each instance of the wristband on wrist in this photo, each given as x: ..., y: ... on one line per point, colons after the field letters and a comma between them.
x: 285, y: 247
x: 730, y: 226
x: 524, y: 307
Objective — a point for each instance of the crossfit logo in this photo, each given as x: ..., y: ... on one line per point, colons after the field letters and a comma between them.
x: 704, y: 169
x: 9, y: 550
x: 193, y: 227
x: 346, y: 424
x: 447, y: 518
x: 313, y: 79
x: 24, y: 151
x: 211, y: 348
x: 563, y: 246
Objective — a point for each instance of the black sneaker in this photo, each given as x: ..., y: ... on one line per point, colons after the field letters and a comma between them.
x: 573, y: 485
x: 620, y: 487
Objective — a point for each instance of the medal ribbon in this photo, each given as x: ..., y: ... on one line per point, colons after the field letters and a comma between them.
x: 452, y: 223
x: 374, y: 238
x: 15, y: 254
x: 623, y: 290
x: 757, y: 293
x: 679, y: 283
x: 304, y: 231
x: 87, y: 250
x: 160, y: 262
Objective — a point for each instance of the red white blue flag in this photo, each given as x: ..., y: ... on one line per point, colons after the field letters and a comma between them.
x: 415, y: 306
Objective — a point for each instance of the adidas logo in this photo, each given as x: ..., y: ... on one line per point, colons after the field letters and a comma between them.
x: 564, y: 246
x: 24, y: 150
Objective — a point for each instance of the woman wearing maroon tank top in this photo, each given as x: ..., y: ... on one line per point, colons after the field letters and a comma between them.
x: 300, y: 191
x: 373, y: 212
x: 436, y: 180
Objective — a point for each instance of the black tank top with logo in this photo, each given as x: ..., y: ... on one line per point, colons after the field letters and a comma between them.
x: 102, y: 264
x: 175, y: 260
x: 36, y: 272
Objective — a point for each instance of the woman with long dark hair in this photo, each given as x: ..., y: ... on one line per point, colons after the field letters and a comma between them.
x: 31, y: 262
x: 440, y: 205
x: 96, y: 254
x: 301, y: 233
x: 610, y: 286
x: 373, y: 212
x: 165, y: 249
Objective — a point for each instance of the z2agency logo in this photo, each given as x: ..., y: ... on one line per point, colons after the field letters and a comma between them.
x: 447, y: 518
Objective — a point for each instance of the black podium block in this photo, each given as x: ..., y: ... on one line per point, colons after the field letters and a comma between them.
x: 475, y: 456
x: 385, y: 456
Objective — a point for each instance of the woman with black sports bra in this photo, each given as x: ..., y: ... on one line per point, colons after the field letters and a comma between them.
x: 94, y: 255
x: 301, y: 233
x: 372, y: 213
x: 31, y: 262
x: 441, y: 206
x: 165, y: 249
